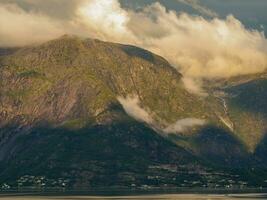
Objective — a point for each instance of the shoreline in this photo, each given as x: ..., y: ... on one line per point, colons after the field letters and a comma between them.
x: 131, y: 192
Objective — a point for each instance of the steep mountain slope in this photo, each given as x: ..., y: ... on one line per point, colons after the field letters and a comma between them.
x: 248, y: 109
x: 72, y: 78
x: 70, y: 86
x: 244, y: 101
x: 60, y: 118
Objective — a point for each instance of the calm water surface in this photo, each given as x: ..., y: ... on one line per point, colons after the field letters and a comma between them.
x: 142, y: 197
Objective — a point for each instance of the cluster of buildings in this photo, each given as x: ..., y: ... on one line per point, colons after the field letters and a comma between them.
x: 156, y: 176
x: 41, y: 181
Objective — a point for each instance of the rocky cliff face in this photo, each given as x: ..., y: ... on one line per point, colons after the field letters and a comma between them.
x: 59, y: 107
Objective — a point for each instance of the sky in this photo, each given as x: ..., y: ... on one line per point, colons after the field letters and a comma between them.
x: 251, y: 12
x: 202, y: 39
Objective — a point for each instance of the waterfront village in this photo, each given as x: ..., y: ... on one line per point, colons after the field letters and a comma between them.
x: 157, y: 176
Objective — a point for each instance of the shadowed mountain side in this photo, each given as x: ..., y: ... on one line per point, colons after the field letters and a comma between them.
x: 137, y: 52
x: 261, y: 152
x: 101, y: 155
x: 220, y: 149
x: 7, y: 51
x: 250, y: 96
x: 248, y: 111
x: 217, y: 147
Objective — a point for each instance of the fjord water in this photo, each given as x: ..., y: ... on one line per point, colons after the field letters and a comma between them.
x: 144, y: 197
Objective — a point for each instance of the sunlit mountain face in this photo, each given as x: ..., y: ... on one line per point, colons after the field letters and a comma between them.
x: 135, y: 94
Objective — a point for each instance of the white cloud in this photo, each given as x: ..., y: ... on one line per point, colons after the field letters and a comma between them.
x: 194, y: 86
x: 104, y: 19
x: 18, y: 27
x: 197, y: 47
x: 202, y: 48
x: 184, y: 125
x: 132, y: 107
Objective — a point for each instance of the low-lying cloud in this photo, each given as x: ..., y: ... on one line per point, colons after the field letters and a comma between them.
x: 184, y: 125
x: 199, y: 48
x: 132, y: 106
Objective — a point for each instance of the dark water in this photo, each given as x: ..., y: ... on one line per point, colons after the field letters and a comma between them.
x: 26, y: 196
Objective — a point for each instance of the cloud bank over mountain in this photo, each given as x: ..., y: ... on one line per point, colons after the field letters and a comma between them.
x: 199, y: 48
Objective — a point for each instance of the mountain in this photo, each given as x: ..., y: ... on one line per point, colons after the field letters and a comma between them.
x: 248, y: 109
x: 62, y: 123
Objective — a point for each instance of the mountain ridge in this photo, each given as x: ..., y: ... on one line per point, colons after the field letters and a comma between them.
x: 71, y: 85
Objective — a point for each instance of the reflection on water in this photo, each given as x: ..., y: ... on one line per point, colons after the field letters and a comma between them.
x: 142, y: 197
